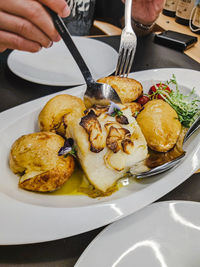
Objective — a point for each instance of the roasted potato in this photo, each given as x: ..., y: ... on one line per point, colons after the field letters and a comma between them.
x: 35, y: 158
x: 128, y: 89
x: 51, y: 116
x: 160, y: 125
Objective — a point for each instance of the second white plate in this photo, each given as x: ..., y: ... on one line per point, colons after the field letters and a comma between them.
x: 165, y: 234
x: 56, y: 66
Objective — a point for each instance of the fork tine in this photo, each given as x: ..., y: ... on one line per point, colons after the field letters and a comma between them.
x: 127, y: 62
x: 123, y: 61
x: 130, y: 62
x: 119, y: 61
x: 126, y: 52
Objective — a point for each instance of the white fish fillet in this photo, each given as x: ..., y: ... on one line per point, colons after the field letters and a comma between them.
x: 103, y: 169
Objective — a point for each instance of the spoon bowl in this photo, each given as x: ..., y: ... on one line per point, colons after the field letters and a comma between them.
x: 100, y: 93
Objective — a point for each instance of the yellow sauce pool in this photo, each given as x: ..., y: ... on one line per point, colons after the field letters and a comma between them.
x: 72, y: 186
x: 79, y: 185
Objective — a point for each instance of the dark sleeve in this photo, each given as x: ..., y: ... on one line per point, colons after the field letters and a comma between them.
x: 109, y: 10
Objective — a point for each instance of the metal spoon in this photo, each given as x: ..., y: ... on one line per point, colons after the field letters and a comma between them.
x: 96, y: 93
x: 166, y: 166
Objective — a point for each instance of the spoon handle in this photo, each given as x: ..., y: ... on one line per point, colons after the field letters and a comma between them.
x: 64, y: 33
x: 192, y: 129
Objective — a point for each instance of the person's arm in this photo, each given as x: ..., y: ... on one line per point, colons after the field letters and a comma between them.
x: 144, y: 14
x: 26, y: 25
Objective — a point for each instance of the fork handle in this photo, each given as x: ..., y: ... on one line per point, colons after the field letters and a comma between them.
x: 64, y: 33
x: 127, y: 15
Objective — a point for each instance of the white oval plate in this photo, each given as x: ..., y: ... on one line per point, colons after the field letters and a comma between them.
x: 165, y: 234
x: 28, y: 217
x: 56, y: 66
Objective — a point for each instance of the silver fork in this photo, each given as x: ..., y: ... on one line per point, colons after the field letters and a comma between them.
x: 128, y: 44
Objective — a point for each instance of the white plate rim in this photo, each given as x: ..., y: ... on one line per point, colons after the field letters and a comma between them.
x: 112, y: 210
x: 59, y: 83
x: 160, y: 204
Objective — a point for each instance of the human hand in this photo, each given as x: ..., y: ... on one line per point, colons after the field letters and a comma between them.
x: 146, y: 11
x: 26, y: 24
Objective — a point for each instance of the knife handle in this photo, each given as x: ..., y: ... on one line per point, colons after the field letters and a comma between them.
x: 64, y: 33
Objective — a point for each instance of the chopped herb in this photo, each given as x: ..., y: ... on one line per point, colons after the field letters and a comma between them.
x: 114, y: 110
x: 136, y: 113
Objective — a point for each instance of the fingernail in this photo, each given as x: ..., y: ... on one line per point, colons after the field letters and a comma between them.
x: 50, y: 45
x: 57, y: 38
x: 66, y: 12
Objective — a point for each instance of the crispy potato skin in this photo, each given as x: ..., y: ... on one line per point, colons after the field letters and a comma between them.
x: 160, y: 125
x: 128, y: 89
x: 50, y: 180
x: 35, y: 158
x: 51, y: 116
x: 134, y: 106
